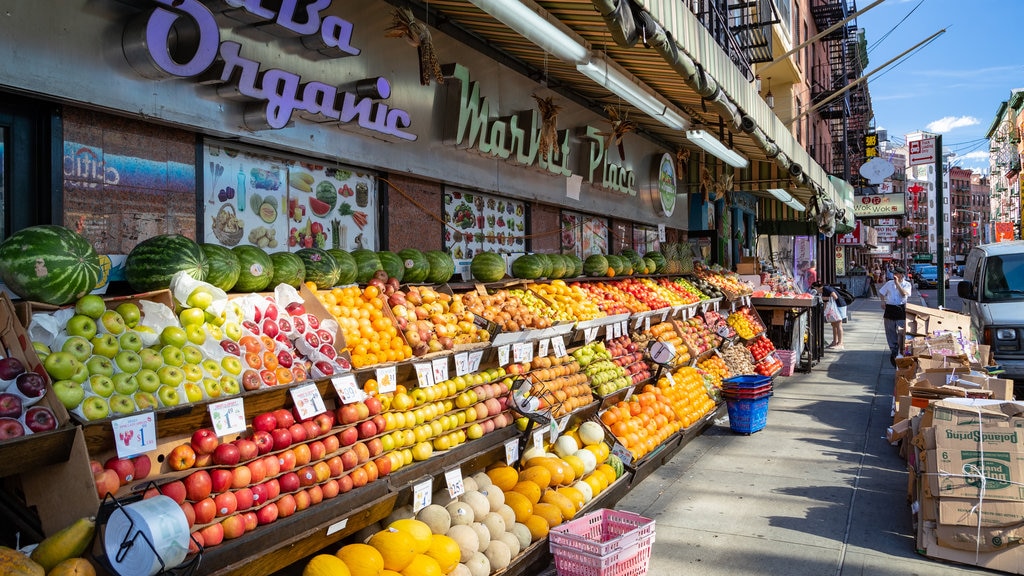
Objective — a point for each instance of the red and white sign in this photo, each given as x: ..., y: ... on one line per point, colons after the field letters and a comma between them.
x: 879, y: 205
x: 921, y: 152
x: 1003, y: 231
x: 850, y: 238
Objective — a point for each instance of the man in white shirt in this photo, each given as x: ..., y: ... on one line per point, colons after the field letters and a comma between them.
x: 894, y: 294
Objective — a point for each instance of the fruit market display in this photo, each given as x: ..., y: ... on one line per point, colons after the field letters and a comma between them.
x: 703, y: 285
x: 760, y: 347
x: 535, y: 304
x: 684, y: 285
x: 715, y: 368
x: 609, y: 299
x: 646, y: 291
x: 666, y: 332
x: 49, y: 264
x: 676, y: 294
x: 641, y: 423
x: 690, y: 397
x: 698, y: 336
x: 728, y: 283
x: 502, y: 308
x: 717, y: 324
x: 738, y: 360
x: 604, y: 374
x: 60, y: 554
x: 559, y: 384
x: 371, y: 337
x: 746, y: 323
x: 432, y: 321
x: 569, y: 302
x: 768, y: 366
x: 627, y: 354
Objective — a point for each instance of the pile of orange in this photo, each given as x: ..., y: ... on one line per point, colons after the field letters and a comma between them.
x: 371, y: 337
x: 715, y: 367
x: 687, y: 395
x: 643, y: 422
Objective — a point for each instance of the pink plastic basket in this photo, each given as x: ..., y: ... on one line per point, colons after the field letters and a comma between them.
x: 603, y: 543
x: 788, y: 359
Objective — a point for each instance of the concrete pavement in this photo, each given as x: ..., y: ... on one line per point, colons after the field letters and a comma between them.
x: 818, y: 492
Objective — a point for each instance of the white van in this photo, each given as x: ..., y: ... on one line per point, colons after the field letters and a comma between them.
x: 992, y: 291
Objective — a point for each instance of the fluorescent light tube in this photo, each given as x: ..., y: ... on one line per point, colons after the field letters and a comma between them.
x: 780, y: 195
x: 535, y: 28
x: 631, y: 92
x: 796, y: 205
x: 711, y: 145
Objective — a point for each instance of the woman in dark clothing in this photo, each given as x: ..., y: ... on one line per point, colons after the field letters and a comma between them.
x: 827, y: 293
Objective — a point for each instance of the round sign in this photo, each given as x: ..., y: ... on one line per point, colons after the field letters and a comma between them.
x: 666, y: 178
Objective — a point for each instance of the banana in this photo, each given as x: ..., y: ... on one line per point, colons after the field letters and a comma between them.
x: 70, y: 542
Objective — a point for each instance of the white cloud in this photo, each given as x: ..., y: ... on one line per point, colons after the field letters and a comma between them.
x: 949, y: 123
x: 976, y: 155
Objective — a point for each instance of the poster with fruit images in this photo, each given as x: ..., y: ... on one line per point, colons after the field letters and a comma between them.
x: 278, y: 203
x: 331, y: 207
x: 477, y: 223
x: 244, y: 198
x: 583, y: 234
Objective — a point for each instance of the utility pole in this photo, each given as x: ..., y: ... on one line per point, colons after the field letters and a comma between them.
x: 939, y: 227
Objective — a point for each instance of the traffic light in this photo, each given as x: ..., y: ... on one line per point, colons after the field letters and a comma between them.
x: 974, y: 228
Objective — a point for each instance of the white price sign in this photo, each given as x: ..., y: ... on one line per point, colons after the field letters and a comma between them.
x: 558, y: 343
x: 542, y: 347
x: 522, y: 351
x: 422, y: 495
x: 624, y: 328
x: 228, y: 417
x: 387, y: 379
x: 474, y: 360
x: 308, y: 402
x: 136, y: 434
x: 347, y: 389
x: 454, y: 479
x: 440, y: 369
x: 590, y: 334
x: 462, y: 364
x: 538, y: 438
x: 512, y: 451
x: 503, y: 354
x: 424, y: 374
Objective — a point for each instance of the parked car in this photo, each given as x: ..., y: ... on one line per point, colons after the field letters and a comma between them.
x: 992, y: 291
x: 927, y: 276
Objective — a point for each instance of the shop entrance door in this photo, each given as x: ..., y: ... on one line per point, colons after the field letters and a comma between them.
x: 30, y: 164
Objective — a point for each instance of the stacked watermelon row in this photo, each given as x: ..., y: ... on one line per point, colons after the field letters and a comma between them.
x: 153, y: 262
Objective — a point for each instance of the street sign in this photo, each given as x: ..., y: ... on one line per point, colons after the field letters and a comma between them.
x: 921, y: 152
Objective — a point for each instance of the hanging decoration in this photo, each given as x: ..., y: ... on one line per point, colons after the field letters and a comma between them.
x: 417, y: 34
x: 722, y: 185
x: 548, y: 124
x: 621, y: 125
x: 707, y: 182
x: 682, y: 162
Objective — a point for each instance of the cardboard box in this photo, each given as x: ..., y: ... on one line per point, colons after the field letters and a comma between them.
x: 961, y: 456
x: 76, y: 496
x: 923, y: 321
x: 1009, y: 560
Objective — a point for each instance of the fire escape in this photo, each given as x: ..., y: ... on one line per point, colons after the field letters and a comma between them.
x: 742, y: 28
x: 849, y: 114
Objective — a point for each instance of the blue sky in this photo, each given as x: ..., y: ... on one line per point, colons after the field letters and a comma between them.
x: 953, y: 85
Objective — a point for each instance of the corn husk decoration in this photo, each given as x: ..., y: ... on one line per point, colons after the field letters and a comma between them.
x: 548, y: 124
x: 621, y: 125
x: 723, y: 185
x: 707, y: 181
x: 417, y: 34
x: 682, y: 161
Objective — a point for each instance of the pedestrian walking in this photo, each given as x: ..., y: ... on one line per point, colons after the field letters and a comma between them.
x: 832, y: 297
x: 876, y: 279
x: 894, y: 296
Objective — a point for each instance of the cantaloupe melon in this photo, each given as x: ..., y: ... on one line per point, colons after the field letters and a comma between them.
x: 478, y: 502
x: 436, y: 517
x: 495, y: 497
x: 482, y: 534
x: 495, y: 524
x: 507, y: 514
x: 460, y: 513
x: 522, y: 532
x: 512, y: 541
x: 469, y: 484
x: 482, y: 480
x: 467, y: 540
x: 479, y: 565
x: 498, y: 554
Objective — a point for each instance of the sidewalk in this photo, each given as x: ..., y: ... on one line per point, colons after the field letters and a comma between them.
x: 818, y: 492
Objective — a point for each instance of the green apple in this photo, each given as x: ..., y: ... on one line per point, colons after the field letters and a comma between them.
x: 100, y: 365
x: 147, y: 333
x: 191, y: 316
x: 171, y: 376
x: 145, y: 400
x: 42, y: 350
x: 128, y: 361
x: 151, y: 359
x: 69, y: 392
x: 213, y: 331
x: 212, y: 367
x: 193, y: 393
x: 81, y: 372
x: 192, y: 354
x: 130, y: 340
x: 105, y: 345
x: 168, y: 396
x: 95, y: 408
x: 195, y: 334
x: 60, y: 365
x: 172, y: 355
x: 216, y: 319
x: 91, y: 305
x: 201, y: 298
x: 101, y: 385
x: 232, y: 365
x: 229, y: 384
x: 78, y: 347
x: 174, y: 336
x: 125, y: 383
x: 122, y: 404
x: 212, y: 387
x: 193, y: 372
x: 232, y: 330
x: 112, y: 323
x: 148, y: 380
x: 81, y: 325
x: 130, y: 312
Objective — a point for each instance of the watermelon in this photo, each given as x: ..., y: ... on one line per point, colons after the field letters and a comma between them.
x: 367, y: 263
x: 152, y: 263
x: 257, y: 269
x: 527, y: 267
x: 346, y: 266
x: 49, y: 264
x: 650, y: 266
x: 224, y: 267
x: 442, y: 267
x: 321, y: 268
x: 288, y: 269
x: 557, y: 266
x: 635, y: 260
x: 659, y: 260
x: 487, y: 267
x: 616, y: 465
x: 546, y: 266
x: 417, y: 267
x: 577, y: 263
x: 392, y: 264
x: 595, y: 265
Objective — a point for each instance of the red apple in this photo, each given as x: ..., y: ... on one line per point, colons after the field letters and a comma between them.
x: 195, y: 543
x: 106, y: 482
x: 374, y: 405
x: 273, y: 465
x: 284, y: 418
x: 286, y: 506
x: 241, y: 477
x: 123, y: 466
x: 380, y: 422
x: 324, y: 421
x: 143, y: 466
x: 348, y: 436
x: 212, y: 535
x: 251, y: 380
x: 273, y: 488
x: 257, y: 471
x: 243, y: 496
x: 349, y: 459
x: 362, y: 409
x: 226, y: 503
x: 302, y: 500
x: 362, y: 452
x: 289, y: 482
x: 174, y: 490
x: 182, y: 457
x: 251, y: 520
x: 189, y: 512
x: 271, y: 328
x: 220, y: 480
x: 375, y: 446
x: 336, y: 466
x: 264, y: 441
x: 317, y: 450
x: 328, y: 351
x: 260, y: 493
x: 271, y: 311
x: 285, y: 358
x: 226, y: 454
x: 295, y: 309
x: 383, y: 466
x: 40, y: 419
x: 204, y: 441
x: 345, y: 484
x: 95, y: 466
x: 312, y: 321
x: 265, y: 422
x: 331, y: 444
x: 198, y: 485
x: 371, y: 471
x: 203, y: 460
x: 268, y: 377
x: 247, y: 449
x: 307, y: 476
x: 330, y: 489
x: 286, y: 460
x: 234, y: 527
x: 205, y: 510
x: 312, y: 429
x: 282, y: 438
x: 267, y: 514
x: 367, y: 429
x: 298, y: 432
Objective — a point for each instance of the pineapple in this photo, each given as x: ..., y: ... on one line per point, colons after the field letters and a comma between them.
x: 672, y: 263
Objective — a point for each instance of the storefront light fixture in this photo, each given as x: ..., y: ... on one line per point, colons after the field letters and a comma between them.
x: 713, y: 146
x: 599, y: 71
x: 536, y: 29
x: 780, y: 195
x: 796, y: 205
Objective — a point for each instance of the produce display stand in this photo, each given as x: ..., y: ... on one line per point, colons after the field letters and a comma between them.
x: 786, y: 321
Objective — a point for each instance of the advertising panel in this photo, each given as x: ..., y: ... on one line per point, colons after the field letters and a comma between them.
x: 879, y: 205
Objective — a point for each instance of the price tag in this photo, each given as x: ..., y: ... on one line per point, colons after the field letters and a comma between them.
x: 308, y: 402
x: 454, y: 479
x: 558, y: 343
x: 462, y: 364
x: 723, y: 331
x: 228, y: 417
x: 662, y: 352
x: 563, y: 422
x: 424, y: 374
x: 474, y: 360
x: 664, y: 315
x: 511, y: 451
x: 136, y: 434
x: 347, y: 389
x: 503, y: 354
x: 538, y: 438
x: 647, y: 323
x: 609, y: 332
x: 440, y: 369
x: 624, y: 328
x: 623, y: 454
x: 542, y: 347
x: 590, y: 334
x: 422, y: 495
x: 639, y: 321
x: 522, y: 351
x: 952, y: 378
x: 337, y: 526
x: 387, y: 379
x: 552, y: 431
